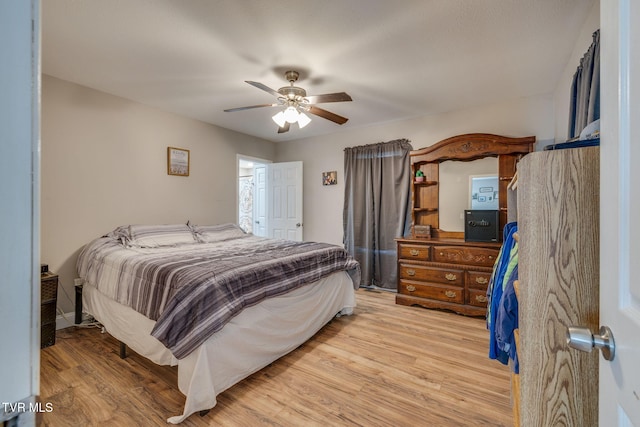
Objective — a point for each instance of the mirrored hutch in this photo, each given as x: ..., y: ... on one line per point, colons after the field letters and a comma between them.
x: 443, y: 270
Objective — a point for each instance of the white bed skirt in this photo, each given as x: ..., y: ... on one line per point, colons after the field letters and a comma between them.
x: 250, y: 341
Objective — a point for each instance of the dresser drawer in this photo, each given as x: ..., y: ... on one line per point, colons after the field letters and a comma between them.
x: 465, y: 255
x: 408, y: 251
x: 432, y: 291
x: 431, y: 274
x: 477, y: 297
x: 478, y: 280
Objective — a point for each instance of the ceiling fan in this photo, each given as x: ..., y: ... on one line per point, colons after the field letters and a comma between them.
x: 297, y: 103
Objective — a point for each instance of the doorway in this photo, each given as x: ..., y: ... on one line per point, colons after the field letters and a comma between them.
x: 246, y: 167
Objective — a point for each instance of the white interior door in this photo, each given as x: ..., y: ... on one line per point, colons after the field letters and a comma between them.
x: 619, y: 207
x: 284, y: 200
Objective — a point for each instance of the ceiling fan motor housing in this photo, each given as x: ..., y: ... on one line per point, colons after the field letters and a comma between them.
x: 292, y: 92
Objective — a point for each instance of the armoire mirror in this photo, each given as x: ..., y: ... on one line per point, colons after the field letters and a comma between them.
x: 455, y: 191
x: 439, y: 199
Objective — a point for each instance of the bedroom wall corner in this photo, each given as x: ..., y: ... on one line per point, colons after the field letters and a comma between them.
x: 104, y: 164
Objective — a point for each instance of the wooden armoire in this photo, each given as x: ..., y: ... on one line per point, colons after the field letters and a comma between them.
x: 444, y: 271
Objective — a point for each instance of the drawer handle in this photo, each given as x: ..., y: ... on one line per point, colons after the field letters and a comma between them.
x: 481, y: 298
x: 411, y: 272
x: 411, y: 288
x: 482, y: 280
x: 450, y: 276
x: 490, y: 256
x: 414, y: 252
x: 441, y: 253
x: 450, y: 294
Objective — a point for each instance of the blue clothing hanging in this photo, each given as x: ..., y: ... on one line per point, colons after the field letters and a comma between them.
x: 507, y: 320
x: 496, y: 288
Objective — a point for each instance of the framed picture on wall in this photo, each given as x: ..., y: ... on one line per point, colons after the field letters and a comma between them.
x: 177, y: 161
x: 330, y: 178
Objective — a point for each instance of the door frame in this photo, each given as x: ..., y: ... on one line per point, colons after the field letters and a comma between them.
x: 20, y: 104
x: 237, y: 178
x: 619, y: 198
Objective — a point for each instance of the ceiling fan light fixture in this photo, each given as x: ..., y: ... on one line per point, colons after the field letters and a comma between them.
x: 291, y: 114
x: 296, y: 104
x: 279, y: 119
x: 303, y: 120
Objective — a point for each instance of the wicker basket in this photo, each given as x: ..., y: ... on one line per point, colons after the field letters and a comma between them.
x: 48, y: 303
x: 48, y: 287
x: 47, y: 334
x: 48, y: 312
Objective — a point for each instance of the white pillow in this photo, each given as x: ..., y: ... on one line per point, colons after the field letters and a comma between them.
x: 218, y: 233
x: 153, y: 236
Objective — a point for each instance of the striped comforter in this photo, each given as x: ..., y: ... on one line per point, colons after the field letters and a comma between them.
x: 192, y: 290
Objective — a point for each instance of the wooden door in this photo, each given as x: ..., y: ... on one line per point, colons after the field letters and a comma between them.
x: 558, y: 271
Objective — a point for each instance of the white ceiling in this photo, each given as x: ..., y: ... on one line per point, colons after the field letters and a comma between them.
x: 397, y: 59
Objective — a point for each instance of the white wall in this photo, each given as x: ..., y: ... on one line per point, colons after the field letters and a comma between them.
x: 323, y: 205
x: 562, y: 93
x: 104, y: 164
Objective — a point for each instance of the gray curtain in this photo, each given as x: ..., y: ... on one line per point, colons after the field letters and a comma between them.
x: 584, y: 105
x: 377, y: 206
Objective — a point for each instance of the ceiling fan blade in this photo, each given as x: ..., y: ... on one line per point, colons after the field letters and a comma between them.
x: 329, y: 97
x: 327, y: 115
x: 284, y: 128
x: 264, y: 88
x: 231, y: 110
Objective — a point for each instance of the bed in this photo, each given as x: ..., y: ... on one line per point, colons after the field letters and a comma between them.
x: 217, y: 302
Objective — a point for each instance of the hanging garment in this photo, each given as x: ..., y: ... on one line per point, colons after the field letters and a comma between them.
x: 506, y: 262
x: 507, y: 320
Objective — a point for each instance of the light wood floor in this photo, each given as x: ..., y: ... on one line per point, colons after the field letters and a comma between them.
x: 387, y: 365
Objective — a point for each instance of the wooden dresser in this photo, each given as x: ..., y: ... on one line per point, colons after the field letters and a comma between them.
x: 444, y: 271
x: 448, y: 274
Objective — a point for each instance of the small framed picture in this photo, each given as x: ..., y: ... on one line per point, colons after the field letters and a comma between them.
x: 330, y: 178
x: 177, y: 161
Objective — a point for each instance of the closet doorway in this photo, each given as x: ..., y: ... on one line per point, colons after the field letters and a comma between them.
x: 246, y: 193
